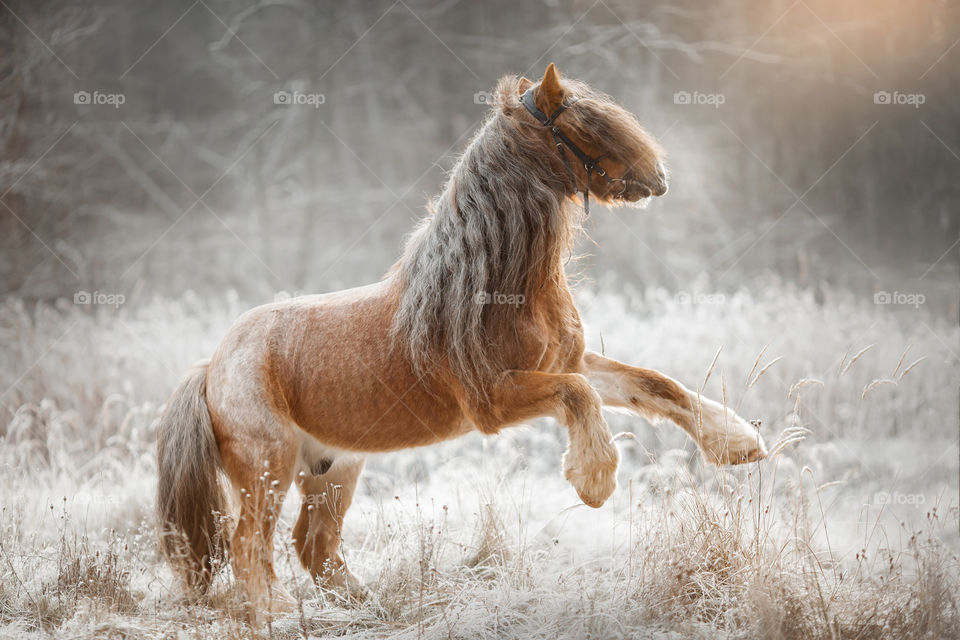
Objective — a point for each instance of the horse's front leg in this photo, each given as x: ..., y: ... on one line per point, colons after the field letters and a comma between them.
x: 590, y: 462
x: 722, y: 435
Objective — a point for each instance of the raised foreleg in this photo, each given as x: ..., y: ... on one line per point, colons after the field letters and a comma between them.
x: 722, y: 435
x: 590, y: 462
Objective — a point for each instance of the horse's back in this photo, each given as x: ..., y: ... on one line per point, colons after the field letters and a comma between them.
x: 328, y: 365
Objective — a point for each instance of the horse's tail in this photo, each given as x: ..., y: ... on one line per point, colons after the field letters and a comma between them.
x: 190, y: 497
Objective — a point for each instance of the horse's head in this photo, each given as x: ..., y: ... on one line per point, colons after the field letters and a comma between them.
x: 582, y: 127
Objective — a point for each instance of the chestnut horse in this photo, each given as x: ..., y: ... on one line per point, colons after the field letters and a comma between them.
x: 300, y: 391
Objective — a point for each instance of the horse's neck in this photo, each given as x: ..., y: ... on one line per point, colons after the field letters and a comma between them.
x: 554, y: 294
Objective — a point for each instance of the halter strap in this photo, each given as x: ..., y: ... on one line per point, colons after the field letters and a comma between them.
x: 563, y: 143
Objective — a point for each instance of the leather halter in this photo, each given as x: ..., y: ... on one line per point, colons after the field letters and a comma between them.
x: 563, y: 142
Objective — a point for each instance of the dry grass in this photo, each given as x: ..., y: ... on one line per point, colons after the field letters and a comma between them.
x: 482, y: 538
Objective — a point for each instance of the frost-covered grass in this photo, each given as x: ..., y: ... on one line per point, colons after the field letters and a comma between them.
x: 852, y: 533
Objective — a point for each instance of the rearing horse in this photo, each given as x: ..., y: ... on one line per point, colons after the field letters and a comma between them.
x: 474, y: 328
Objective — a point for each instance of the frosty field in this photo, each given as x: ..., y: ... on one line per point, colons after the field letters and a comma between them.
x: 850, y: 533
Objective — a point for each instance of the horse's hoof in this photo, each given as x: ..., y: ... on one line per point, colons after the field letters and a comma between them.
x: 282, y: 603
x: 344, y: 585
x: 594, y: 482
x: 726, y: 438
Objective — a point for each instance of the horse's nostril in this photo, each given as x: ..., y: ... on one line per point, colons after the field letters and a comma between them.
x: 662, y: 175
x: 660, y: 187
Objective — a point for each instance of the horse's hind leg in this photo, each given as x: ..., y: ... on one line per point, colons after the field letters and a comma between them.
x: 260, y: 458
x: 326, y: 497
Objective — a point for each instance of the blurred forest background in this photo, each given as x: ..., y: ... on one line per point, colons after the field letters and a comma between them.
x: 202, y: 180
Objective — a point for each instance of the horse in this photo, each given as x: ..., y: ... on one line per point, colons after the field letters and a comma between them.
x: 474, y: 328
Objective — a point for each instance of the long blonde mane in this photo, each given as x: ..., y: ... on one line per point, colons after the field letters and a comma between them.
x: 500, y: 227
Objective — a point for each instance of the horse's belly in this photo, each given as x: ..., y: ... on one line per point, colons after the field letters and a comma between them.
x: 372, y: 420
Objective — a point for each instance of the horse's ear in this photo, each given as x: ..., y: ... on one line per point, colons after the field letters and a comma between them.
x: 549, y: 95
x: 523, y: 85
